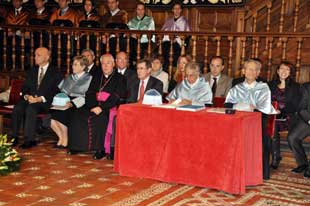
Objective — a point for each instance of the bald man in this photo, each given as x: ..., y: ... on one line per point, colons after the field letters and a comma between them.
x: 37, y: 93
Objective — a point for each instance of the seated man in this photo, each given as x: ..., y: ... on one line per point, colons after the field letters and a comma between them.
x: 219, y: 82
x: 91, y: 66
x: 193, y: 89
x: 157, y: 72
x: 301, y: 130
x: 115, y: 18
x: 241, y: 79
x: 37, y: 93
x: 121, y: 65
x: 18, y: 15
x: 68, y: 17
x: 144, y: 82
x: 40, y: 16
x: 253, y: 95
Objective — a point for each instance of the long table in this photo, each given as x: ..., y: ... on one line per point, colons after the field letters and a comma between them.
x: 204, y: 149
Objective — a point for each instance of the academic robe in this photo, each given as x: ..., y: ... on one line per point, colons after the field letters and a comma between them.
x: 199, y: 93
x: 117, y: 21
x: 12, y: 19
x: 69, y: 15
x: 260, y: 97
x: 172, y: 24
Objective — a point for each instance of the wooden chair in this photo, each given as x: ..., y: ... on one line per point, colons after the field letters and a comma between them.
x: 219, y: 102
x: 16, y: 86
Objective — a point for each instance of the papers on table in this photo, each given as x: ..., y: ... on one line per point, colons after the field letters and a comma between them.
x: 192, y: 108
x: 217, y: 110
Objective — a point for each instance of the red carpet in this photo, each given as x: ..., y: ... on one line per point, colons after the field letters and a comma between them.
x: 51, y: 177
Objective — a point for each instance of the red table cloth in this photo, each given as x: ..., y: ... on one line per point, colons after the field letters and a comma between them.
x: 197, y: 148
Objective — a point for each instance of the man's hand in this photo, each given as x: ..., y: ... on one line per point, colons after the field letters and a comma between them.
x: 32, y: 99
x: 96, y: 110
x: 252, y: 107
x: 185, y: 102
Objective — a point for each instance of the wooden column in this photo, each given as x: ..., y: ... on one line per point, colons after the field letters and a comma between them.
x: 296, y: 13
x: 22, y: 57
x: 98, y: 42
x: 194, y: 52
x: 229, y: 67
x: 270, y: 40
x: 240, y: 28
x: 282, y: 16
x: 284, y: 45
x: 298, y: 57
x: 206, y: 53
x: 68, y: 53
x: 218, y: 45
x: 4, y: 50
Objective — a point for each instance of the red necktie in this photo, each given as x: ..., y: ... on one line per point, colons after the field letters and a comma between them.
x: 141, y: 94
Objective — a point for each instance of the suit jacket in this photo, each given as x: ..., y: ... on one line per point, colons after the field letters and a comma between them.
x: 95, y: 71
x: 292, y: 96
x: 130, y: 76
x: 48, y: 86
x: 223, y: 84
x: 153, y: 83
x: 305, y: 103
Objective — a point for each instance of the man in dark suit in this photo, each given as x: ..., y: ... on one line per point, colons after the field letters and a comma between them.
x: 37, y: 94
x: 121, y: 63
x: 91, y: 66
x: 144, y: 82
x: 301, y: 130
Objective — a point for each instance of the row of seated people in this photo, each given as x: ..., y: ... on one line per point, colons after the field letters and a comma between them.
x: 96, y: 93
x: 114, y: 18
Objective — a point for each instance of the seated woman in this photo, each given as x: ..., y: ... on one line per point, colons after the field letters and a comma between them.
x: 88, y: 132
x: 193, y: 90
x: 158, y: 73
x: 287, y: 93
x: 252, y: 95
x: 75, y: 86
x: 180, y: 72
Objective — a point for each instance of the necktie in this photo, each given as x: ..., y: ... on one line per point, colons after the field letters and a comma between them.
x: 17, y: 12
x: 141, y: 94
x: 214, y: 86
x: 41, y: 75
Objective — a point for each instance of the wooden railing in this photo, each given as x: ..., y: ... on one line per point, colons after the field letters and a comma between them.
x: 271, y: 48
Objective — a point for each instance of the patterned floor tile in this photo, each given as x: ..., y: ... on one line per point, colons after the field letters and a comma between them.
x: 50, y: 177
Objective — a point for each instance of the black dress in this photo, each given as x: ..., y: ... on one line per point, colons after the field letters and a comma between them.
x: 87, y: 130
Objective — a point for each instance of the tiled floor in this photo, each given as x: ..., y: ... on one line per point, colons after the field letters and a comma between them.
x: 49, y: 176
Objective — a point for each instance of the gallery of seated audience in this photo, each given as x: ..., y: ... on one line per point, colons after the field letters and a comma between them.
x: 136, y: 102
